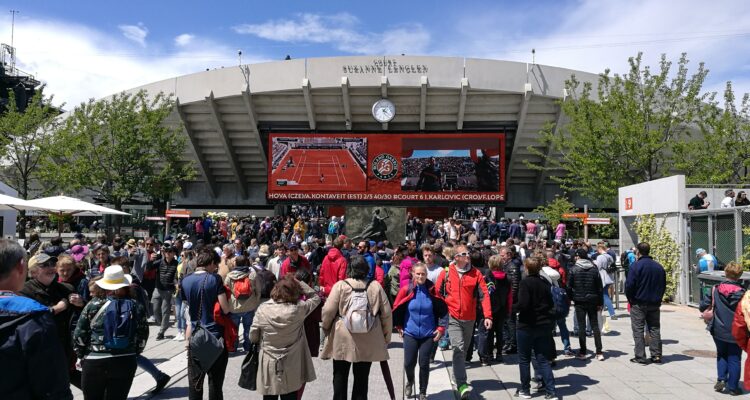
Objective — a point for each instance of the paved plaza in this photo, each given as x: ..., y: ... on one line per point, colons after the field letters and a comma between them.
x: 688, y: 371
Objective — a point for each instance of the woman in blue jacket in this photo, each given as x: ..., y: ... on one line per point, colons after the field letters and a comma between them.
x: 724, y: 299
x: 416, y: 312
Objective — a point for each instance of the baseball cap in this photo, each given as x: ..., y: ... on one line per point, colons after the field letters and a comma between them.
x: 187, y: 245
x: 41, y: 259
x: 487, y: 242
x: 700, y: 251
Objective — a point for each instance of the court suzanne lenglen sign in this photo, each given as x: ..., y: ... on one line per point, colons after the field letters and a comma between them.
x: 387, y: 167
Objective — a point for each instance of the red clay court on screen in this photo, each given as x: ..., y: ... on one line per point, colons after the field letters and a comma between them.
x: 322, y: 165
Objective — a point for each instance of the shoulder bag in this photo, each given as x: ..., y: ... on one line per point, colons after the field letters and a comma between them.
x: 205, y: 348
x: 708, y: 313
x: 249, y: 370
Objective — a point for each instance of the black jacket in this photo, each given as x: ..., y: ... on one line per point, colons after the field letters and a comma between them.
x: 167, y: 273
x: 513, y: 272
x: 35, y: 366
x: 500, y: 293
x: 585, y: 284
x: 535, y: 308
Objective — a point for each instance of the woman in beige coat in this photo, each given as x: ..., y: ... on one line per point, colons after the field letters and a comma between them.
x: 359, y: 349
x: 284, y: 364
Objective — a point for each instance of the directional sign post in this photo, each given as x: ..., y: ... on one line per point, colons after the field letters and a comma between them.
x: 596, y: 221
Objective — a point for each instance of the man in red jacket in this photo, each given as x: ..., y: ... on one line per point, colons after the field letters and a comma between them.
x: 294, y: 262
x: 461, y: 286
x: 333, y: 268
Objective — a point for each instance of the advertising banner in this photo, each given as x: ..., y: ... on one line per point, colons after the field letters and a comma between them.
x: 387, y: 167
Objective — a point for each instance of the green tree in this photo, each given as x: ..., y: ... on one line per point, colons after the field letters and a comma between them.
x: 22, y: 137
x: 664, y: 249
x: 721, y: 152
x: 554, y: 210
x: 119, y: 148
x: 622, y: 131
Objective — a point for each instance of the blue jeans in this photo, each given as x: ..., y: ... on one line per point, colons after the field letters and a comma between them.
x: 564, y: 333
x: 728, y: 358
x: 539, y: 340
x: 608, y: 301
x: 247, y: 319
x: 179, y: 310
x: 148, y: 366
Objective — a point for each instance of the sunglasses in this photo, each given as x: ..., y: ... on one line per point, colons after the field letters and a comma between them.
x: 462, y: 254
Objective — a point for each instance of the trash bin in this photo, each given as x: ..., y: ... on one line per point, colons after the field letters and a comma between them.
x: 709, y: 279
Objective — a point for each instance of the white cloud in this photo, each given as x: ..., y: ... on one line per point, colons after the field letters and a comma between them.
x: 592, y: 35
x: 341, y: 31
x: 184, y: 39
x: 136, y: 33
x: 78, y: 63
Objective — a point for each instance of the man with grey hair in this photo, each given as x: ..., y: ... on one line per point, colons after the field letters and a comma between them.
x: 36, y: 366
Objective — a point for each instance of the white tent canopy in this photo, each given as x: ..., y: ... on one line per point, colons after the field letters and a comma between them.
x: 70, y: 205
x: 14, y: 203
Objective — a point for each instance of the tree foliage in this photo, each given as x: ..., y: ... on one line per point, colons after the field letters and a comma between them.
x: 119, y: 148
x: 623, y: 131
x: 721, y: 152
x: 554, y: 209
x: 664, y: 249
x: 22, y: 136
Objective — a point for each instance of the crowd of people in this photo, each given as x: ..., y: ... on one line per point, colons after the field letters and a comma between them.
x: 292, y: 288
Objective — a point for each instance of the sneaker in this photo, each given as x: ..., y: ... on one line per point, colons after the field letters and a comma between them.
x: 161, y: 382
x: 642, y: 361
x: 538, y: 386
x: 656, y: 359
x: 180, y: 337
x: 464, y: 391
x: 581, y: 356
x: 568, y: 353
x: 522, y: 394
x: 736, y: 392
x: 550, y: 396
x: 613, y: 317
x: 484, y: 361
x: 719, y: 386
x: 409, y: 389
x: 600, y: 356
x: 160, y: 336
x: 422, y: 396
x: 151, y: 320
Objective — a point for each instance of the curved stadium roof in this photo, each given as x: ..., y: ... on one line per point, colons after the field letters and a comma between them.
x: 227, y: 113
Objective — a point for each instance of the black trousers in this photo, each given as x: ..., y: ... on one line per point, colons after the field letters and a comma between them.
x: 215, y: 378
x: 361, y: 372
x: 495, y: 336
x: 590, y: 310
x: 108, y: 378
x: 509, y: 330
x: 418, y: 349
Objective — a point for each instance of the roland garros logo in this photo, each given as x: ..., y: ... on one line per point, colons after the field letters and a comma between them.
x: 384, y: 167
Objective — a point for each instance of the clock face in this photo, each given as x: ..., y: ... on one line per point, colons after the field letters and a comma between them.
x: 383, y: 110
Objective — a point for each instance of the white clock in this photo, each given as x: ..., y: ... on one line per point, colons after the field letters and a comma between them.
x: 383, y: 110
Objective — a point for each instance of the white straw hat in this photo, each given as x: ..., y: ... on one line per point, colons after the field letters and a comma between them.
x: 114, y: 278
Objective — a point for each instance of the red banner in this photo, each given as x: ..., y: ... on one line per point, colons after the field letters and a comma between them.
x: 465, y: 167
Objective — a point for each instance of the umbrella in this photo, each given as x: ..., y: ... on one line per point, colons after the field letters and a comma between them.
x: 13, y: 203
x: 62, y: 205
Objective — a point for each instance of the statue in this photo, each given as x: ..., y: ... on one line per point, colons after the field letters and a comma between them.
x: 376, y: 229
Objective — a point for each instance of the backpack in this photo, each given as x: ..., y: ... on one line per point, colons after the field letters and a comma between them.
x: 443, y: 289
x: 242, y: 288
x: 612, y: 267
x: 119, y: 323
x: 560, y: 302
x: 625, y: 260
x: 358, y: 317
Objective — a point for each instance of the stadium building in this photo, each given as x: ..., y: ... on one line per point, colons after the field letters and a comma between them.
x: 401, y: 130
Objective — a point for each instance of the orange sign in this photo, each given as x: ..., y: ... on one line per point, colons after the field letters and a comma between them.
x: 575, y: 215
x: 174, y: 213
x: 628, y: 203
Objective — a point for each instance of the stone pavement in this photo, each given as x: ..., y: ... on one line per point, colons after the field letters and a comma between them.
x: 688, y: 371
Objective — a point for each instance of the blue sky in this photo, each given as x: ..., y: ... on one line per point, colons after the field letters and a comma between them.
x: 90, y: 49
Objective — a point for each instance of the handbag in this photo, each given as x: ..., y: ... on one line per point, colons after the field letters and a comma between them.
x: 205, y: 348
x: 249, y: 370
x: 708, y: 313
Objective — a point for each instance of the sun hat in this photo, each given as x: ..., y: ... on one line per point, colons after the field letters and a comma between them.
x: 79, y: 252
x: 114, y: 278
x: 131, y: 243
x: 700, y: 251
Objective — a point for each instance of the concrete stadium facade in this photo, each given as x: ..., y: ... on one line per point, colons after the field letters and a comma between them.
x: 228, y: 113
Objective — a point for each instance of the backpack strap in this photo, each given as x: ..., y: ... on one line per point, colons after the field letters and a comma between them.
x: 99, y: 313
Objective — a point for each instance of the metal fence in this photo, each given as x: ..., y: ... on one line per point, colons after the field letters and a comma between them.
x: 719, y: 232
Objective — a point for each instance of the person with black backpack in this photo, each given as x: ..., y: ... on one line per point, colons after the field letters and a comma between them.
x: 110, y: 333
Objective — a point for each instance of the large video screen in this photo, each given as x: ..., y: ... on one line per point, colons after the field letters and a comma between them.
x: 387, y: 167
